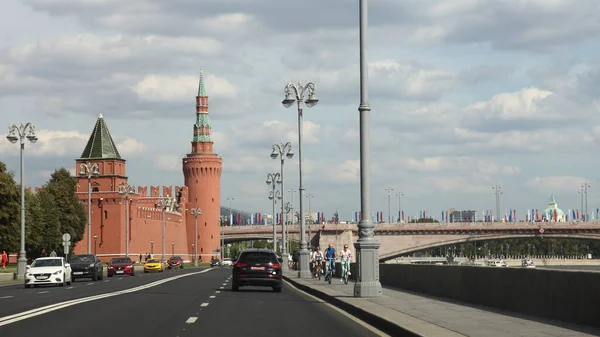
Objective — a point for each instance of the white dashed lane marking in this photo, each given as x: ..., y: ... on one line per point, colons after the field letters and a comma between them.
x: 213, y: 296
x: 4, y: 297
x: 43, y: 292
x: 221, y: 287
x: 191, y: 320
x: 70, y: 287
x: 217, y: 292
x: 89, y: 284
x: 204, y: 305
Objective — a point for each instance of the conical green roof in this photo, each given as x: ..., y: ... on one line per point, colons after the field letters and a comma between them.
x: 201, y: 85
x: 100, y: 145
x: 552, y: 201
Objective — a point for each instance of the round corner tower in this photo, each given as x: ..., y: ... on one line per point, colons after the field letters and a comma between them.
x: 202, y: 176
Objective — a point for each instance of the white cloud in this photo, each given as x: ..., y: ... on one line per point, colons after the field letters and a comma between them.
x: 159, y: 88
x: 168, y: 163
x: 556, y: 184
x: 58, y: 143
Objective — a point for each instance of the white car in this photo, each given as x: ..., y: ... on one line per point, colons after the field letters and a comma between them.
x: 227, y: 262
x: 48, y: 270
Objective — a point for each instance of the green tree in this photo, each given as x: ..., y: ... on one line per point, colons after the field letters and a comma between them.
x: 34, y: 232
x: 69, y: 214
x: 10, y: 215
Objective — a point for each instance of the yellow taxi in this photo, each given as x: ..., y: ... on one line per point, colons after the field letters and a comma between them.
x: 154, y: 265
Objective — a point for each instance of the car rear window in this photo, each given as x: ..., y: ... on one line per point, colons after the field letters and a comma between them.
x: 258, y: 257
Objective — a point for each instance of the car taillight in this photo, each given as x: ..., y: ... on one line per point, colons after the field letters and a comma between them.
x: 240, y: 265
x: 275, y: 265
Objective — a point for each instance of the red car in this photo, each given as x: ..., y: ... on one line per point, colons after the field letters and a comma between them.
x: 120, y: 266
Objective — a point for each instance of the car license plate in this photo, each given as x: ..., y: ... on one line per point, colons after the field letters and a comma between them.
x: 42, y: 277
x: 78, y: 273
x: 257, y: 268
x: 120, y: 272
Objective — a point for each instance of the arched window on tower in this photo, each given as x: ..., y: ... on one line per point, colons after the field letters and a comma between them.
x: 95, y: 189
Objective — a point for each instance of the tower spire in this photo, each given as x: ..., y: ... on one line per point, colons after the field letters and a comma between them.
x: 202, y: 143
x: 201, y: 85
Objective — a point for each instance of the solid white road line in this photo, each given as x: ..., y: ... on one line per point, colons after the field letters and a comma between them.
x: 217, y: 292
x: 191, y: 320
x: 212, y: 296
x: 53, y: 307
x: 3, y: 297
x: 44, y: 292
x: 89, y: 284
x: 204, y: 305
x: 70, y: 287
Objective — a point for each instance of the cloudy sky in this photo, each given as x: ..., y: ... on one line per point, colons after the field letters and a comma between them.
x: 464, y: 94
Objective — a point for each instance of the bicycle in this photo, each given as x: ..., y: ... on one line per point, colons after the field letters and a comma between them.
x: 317, y: 270
x: 346, y: 275
x: 329, y: 274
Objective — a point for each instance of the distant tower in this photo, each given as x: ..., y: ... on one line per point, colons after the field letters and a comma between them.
x: 202, y: 176
x: 108, y: 210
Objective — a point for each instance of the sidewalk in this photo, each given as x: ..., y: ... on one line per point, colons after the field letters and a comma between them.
x: 402, y: 313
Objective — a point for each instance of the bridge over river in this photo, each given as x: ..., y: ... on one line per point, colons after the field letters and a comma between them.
x: 398, y: 239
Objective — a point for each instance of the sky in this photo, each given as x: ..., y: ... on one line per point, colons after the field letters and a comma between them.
x: 465, y: 94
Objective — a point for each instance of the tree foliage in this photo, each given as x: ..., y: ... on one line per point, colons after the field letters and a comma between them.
x: 9, y: 211
x: 53, y: 210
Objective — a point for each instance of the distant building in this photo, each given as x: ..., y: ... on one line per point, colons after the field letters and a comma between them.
x: 463, y: 216
x: 553, y: 213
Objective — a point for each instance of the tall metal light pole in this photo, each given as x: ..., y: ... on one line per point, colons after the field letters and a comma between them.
x: 367, y: 247
x: 497, y: 192
x: 273, y: 179
x: 310, y: 223
x: 399, y: 195
x: 229, y: 198
x: 151, y: 247
x: 389, y: 190
x: 163, y: 203
x: 292, y: 191
x: 89, y: 170
x: 295, y: 93
x: 20, y: 133
x: 292, y: 221
x: 288, y: 209
x: 173, y: 248
x: 126, y: 189
x: 282, y: 151
x: 584, y: 188
x: 195, y: 212
x: 95, y: 244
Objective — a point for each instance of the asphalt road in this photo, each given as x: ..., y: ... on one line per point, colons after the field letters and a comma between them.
x: 201, y: 304
x: 15, y: 298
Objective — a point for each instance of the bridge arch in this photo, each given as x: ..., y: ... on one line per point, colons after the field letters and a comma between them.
x: 479, y: 238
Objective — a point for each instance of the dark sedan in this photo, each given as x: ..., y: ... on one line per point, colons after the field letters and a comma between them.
x: 257, y: 267
x: 121, y: 266
x: 86, y: 266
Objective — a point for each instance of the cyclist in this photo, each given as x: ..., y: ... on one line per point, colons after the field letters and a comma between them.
x: 330, y: 259
x: 346, y: 256
x: 318, y: 262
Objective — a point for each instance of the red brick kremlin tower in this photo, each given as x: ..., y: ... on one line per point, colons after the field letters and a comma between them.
x: 202, y: 177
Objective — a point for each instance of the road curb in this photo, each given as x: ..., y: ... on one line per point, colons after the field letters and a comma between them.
x: 382, y: 324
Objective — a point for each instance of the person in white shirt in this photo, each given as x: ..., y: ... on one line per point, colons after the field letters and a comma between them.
x: 318, y: 258
x: 346, y: 256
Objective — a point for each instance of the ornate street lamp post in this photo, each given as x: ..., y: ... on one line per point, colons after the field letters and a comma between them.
x: 126, y: 189
x: 294, y: 93
x: 273, y: 179
x: 89, y: 170
x: 367, y: 247
x: 21, y: 133
x: 282, y: 151
x: 195, y: 213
